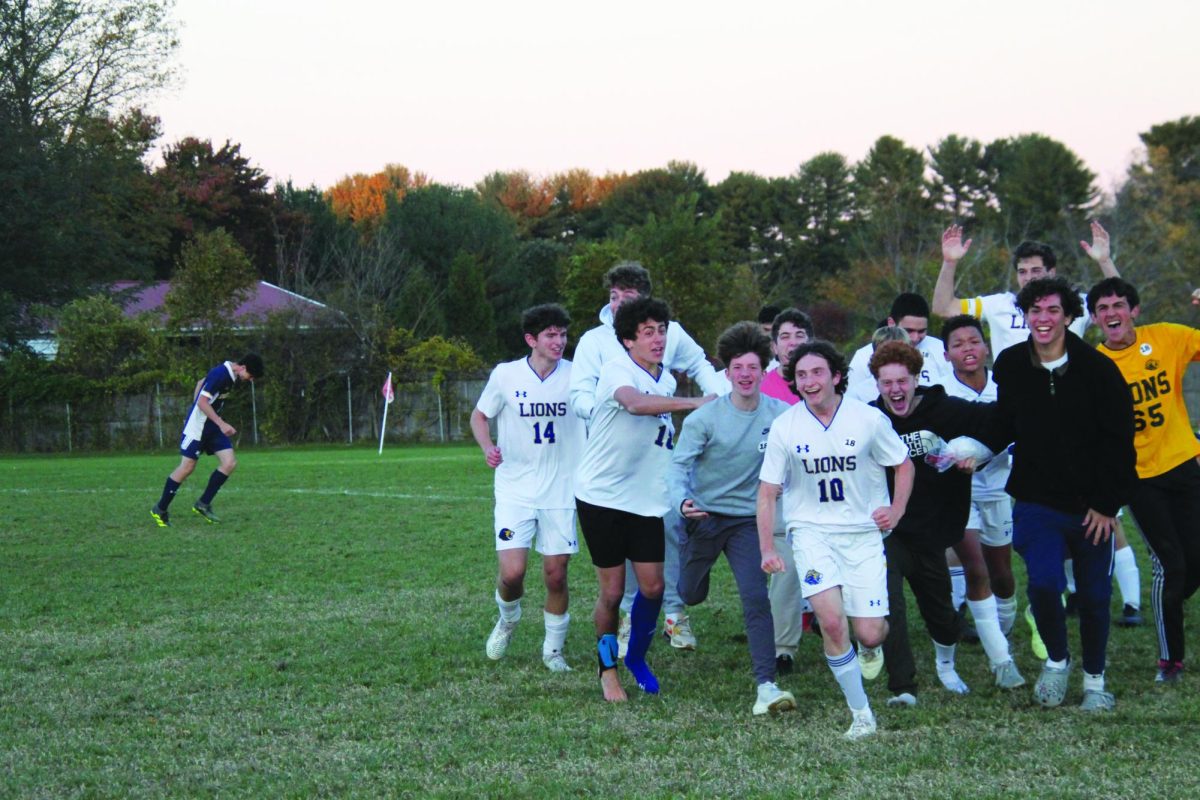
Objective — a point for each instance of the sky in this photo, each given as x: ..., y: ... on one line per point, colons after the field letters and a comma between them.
x: 314, y: 91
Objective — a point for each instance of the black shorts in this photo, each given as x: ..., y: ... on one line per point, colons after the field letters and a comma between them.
x: 613, y: 535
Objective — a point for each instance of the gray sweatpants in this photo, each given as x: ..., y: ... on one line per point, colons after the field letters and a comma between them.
x: 737, y: 538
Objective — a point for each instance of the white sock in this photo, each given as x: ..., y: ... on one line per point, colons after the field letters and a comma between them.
x: 1006, y: 612
x: 1128, y: 580
x: 945, y: 668
x: 510, y: 610
x: 958, y: 587
x: 556, y: 632
x: 987, y: 625
x: 846, y: 670
x: 1093, y: 683
x: 1069, y: 568
x: 1057, y: 664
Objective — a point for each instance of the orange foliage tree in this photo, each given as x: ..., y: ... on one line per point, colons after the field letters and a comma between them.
x: 362, y: 199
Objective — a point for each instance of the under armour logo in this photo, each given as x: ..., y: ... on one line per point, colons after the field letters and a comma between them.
x: 801, y: 448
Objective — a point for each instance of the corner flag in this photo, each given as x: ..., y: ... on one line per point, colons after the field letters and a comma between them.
x: 388, y: 396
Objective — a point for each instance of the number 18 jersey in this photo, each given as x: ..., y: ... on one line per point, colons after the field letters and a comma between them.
x: 627, y: 456
x: 834, y: 476
x: 539, y: 438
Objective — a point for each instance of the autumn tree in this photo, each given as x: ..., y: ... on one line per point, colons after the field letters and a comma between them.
x: 362, y: 199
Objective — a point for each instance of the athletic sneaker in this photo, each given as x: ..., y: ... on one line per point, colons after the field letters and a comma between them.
x: 862, y: 726
x: 1007, y: 675
x: 1169, y: 671
x: 784, y: 664
x: 1035, y: 639
x: 1051, y: 686
x: 953, y: 683
x: 772, y: 699
x: 870, y: 661
x: 1131, y: 617
x: 205, y: 510
x: 902, y: 700
x: 163, y: 518
x: 553, y: 661
x: 1097, y: 700
x: 499, y: 638
x: 623, y: 634
x: 679, y: 630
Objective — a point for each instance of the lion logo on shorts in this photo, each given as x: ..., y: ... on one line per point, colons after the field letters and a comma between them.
x: 506, y: 534
x: 812, y: 577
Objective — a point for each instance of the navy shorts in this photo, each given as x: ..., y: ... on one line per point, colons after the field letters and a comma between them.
x: 211, y: 441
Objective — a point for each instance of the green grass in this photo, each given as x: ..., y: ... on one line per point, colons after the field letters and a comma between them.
x: 327, y: 639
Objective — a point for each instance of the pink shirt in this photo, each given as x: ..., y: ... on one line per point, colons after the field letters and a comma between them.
x: 774, y: 385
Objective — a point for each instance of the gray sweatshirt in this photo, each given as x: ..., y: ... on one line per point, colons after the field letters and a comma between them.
x: 718, y: 456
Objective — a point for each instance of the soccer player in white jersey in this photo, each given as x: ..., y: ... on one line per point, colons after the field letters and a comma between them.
x: 538, y: 448
x: 621, y: 489
x: 831, y: 452
x: 626, y: 281
x: 910, y: 312
x: 1006, y: 324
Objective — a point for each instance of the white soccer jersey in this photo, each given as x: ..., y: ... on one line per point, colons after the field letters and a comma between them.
x: 833, y: 477
x: 988, y: 483
x: 861, y: 385
x: 1006, y: 323
x: 539, y: 438
x: 626, y: 458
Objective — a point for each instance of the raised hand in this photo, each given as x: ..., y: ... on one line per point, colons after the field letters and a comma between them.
x: 1099, y: 249
x: 953, y: 246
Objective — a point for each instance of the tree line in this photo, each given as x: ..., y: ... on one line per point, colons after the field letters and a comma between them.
x: 426, y: 276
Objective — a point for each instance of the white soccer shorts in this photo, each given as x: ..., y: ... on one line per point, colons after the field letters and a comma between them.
x: 554, y: 529
x: 993, y: 520
x: 853, y: 561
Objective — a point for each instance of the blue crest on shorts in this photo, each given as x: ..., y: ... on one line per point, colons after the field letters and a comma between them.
x: 812, y: 577
x: 506, y: 534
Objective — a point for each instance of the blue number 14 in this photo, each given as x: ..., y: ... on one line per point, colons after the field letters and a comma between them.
x: 538, y: 433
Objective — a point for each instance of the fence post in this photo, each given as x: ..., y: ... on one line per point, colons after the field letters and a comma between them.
x: 68, y: 426
x: 349, y: 412
x: 158, y: 411
x: 254, y: 411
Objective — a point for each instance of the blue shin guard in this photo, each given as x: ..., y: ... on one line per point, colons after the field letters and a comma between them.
x: 643, y: 618
x: 606, y: 651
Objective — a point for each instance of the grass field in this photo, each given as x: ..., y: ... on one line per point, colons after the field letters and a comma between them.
x: 327, y: 639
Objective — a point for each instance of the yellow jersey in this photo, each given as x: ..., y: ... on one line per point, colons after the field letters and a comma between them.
x: 1153, y: 367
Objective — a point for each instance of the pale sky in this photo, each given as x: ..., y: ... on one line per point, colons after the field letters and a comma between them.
x: 315, y: 90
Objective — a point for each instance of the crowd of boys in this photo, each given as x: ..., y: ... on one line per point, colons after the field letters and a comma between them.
x: 840, y: 481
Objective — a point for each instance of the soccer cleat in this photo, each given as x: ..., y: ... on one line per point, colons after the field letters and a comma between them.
x: 953, y: 683
x: 1035, y: 639
x: 205, y: 510
x: 1131, y: 617
x: 499, y: 638
x: 553, y: 661
x: 1007, y: 675
x: 1051, y: 686
x: 902, y: 700
x: 784, y: 664
x: 1097, y: 700
x: 679, y: 630
x: 623, y: 633
x: 773, y: 700
x: 162, y: 518
x: 1169, y: 671
x: 862, y: 726
x: 870, y: 661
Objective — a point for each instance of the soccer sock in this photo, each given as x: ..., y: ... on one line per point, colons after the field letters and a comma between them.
x: 987, y: 625
x: 1128, y: 580
x: 510, y: 610
x: 643, y: 618
x: 556, y: 633
x: 215, y: 482
x: 945, y: 668
x: 168, y: 494
x: 848, y: 673
x: 1069, y: 568
x: 1006, y: 611
x: 1093, y: 683
x: 958, y: 587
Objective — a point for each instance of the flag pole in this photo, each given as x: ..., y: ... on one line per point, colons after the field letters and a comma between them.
x: 388, y: 396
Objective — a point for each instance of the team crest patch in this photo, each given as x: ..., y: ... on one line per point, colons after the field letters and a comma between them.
x: 506, y: 534
x: 812, y: 577
x: 1152, y: 365
x: 1145, y: 349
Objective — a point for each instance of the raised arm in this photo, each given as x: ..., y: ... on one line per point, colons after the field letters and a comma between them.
x: 651, y: 405
x: 945, y: 304
x: 1100, y: 250
x: 687, y: 356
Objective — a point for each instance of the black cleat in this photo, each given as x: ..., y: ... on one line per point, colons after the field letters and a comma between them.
x: 205, y: 510
x: 1130, y: 617
x: 162, y: 518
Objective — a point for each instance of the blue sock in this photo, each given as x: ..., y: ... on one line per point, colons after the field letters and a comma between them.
x: 168, y: 494
x: 643, y: 618
x: 215, y: 482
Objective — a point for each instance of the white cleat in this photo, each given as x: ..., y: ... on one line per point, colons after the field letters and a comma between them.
x: 679, y: 630
x: 555, y: 662
x: 902, y: 700
x: 623, y: 634
x: 953, y: 683
x: 773, y: 700
x: 499, y: 638
x: 862, y: 726
x: 1007, y: 675
x: 870, y: 661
